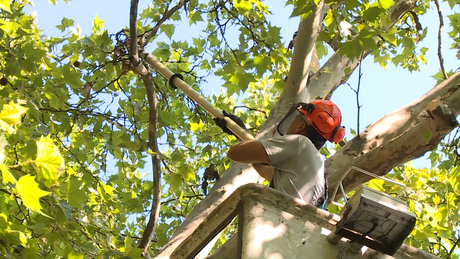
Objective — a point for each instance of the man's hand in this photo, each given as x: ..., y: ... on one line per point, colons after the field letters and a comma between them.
x: 223, y: 124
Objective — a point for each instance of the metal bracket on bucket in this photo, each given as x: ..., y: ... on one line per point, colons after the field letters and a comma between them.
x: 364, y: 172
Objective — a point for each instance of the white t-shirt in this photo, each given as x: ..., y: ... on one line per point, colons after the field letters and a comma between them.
x: 299, y: 167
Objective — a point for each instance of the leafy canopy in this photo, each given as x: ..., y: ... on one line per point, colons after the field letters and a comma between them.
x: 74, y: 120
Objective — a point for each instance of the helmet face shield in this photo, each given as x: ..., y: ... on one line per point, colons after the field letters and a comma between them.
x: 284, y: 124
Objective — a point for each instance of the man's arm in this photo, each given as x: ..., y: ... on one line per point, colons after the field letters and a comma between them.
x: 265, y: 171
x: 248, y: 152
x: 252, y: 152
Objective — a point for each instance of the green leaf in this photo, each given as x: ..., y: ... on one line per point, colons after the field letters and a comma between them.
x: 11, y: 115
x: 6, y: 175
x: 321, y: 50
x: 386, y: 4
x: 106, y: 191
x: 426, y: 135
x: 49, y: 161
x: 5, y: 5
x: 195, y: 17
x: 30, y: 193
x: 128, y: 245
x: 262, y: 64
x: 65, y: 23
x: 74, y: 255
x: 301, y: 8
x: 436, y: 199
x: 168, y: 29
x: 135, y: 253
x: 98, y: 25
x: 242, y: 6
x: 454, y: 179
x: 187, y: 172
x: 382, y: 60
x: 390, y: 36
x: 3, y: 144
x: 198, y: 127
x: 10, y: 27
x: 75, y: 196
x: 372, y: 13
x: 452, y: 3
x: 72, y: 77
x: 175, y: 181
x: 376, y: 184
x: 439, y: 77
x: 22, y: 239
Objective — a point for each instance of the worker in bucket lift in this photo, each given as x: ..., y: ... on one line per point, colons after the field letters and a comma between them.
x: 292, y: 162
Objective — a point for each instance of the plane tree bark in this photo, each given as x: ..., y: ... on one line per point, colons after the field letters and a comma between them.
x: 401, y: 136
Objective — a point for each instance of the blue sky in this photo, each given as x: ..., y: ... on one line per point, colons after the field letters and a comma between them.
x: 382, y: 90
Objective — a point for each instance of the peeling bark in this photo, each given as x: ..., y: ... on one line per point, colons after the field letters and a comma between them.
x: 294, y: 90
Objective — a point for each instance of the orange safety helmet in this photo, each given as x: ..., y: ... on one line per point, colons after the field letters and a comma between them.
x: 325, y: 117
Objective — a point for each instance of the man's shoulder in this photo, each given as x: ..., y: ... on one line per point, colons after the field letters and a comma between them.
x: 305, y: 142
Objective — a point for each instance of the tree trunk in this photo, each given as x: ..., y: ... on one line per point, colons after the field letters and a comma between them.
x: 295, y: 90
x: 240, y: 174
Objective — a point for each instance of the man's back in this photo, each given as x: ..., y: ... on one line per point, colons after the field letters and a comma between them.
x: 299, y: 167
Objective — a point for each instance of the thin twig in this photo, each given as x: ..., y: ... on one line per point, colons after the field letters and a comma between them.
x: 151, y: 33
x: 441, y: 25
x: 357, y: 95
x: 449, y: 255
x: 251, y: 109
x: 5, y: 191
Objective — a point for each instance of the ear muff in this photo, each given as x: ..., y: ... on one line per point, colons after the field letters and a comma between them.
x: 338, y: 134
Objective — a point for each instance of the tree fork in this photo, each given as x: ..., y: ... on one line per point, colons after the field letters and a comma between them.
x: 239, y: 174
x: 294, y: 90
